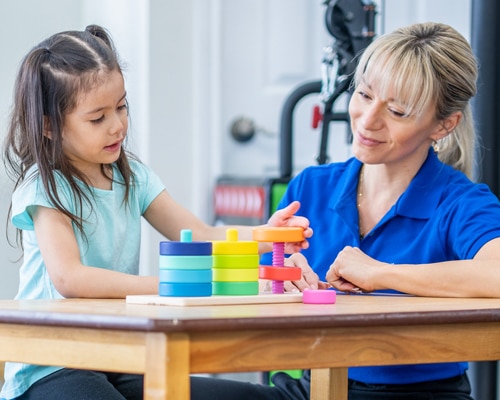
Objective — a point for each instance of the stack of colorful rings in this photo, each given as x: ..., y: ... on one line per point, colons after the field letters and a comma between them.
x: 235, y: 266
x: 185, y: 267
x: 278, y: 273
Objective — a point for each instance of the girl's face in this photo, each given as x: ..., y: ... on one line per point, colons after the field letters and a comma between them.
x: 94, y: 131
x: 384, y: 134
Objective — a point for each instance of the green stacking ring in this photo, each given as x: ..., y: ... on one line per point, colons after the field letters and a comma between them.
x: 235, y: 288
x: 236, y: 261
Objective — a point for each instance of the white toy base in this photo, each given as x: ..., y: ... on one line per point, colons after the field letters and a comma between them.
x: 263, y: 298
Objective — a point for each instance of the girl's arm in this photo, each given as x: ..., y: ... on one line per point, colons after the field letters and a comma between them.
x: 169, y: 218
x: 479, y: 277
x: 70, y: 277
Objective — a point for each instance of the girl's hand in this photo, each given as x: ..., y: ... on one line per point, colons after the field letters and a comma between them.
x: 309, y: 280
x: 354, y: 271
x: 286, y: 218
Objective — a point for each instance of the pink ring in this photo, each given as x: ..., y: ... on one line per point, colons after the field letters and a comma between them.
x: 319, y: 296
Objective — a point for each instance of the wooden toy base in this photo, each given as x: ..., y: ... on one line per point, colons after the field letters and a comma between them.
x: 215, y: 300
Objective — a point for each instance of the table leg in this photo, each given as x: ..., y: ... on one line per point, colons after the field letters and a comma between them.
x: 167, y: 367
x: 329, y: 384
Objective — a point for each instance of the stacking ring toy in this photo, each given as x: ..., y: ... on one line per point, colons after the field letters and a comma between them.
x: 269, y: 234
x: 235, y: 275
x: 232, y: 261
x: 235, y: 288
x: 185, y: 289
x: 186, y: 247
x: 319, y: 296
x: 185, y: 262
x: 186, y: 275
x: 280, y: 273
x: 234, y: 246
x: 279, y: 236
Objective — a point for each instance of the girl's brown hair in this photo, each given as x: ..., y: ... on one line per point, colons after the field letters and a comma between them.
x: 51, y: 79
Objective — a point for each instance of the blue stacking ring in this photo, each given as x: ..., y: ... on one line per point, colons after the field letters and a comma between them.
x: 186, y: 248
x: 186, y: 276
x: 185, y: 289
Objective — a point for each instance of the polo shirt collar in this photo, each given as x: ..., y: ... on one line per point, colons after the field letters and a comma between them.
x: 422, y: 196
x: 343, y: 200
x: 419, y: 200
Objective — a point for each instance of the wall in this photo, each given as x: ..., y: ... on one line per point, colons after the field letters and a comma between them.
x: 185, y: 92
x: 22, y: 25
x: 186, y: 82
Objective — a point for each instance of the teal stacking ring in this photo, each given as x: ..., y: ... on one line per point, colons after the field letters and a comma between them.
x: 186, y: 276
x: 185, y: 289
x: 186, y: 262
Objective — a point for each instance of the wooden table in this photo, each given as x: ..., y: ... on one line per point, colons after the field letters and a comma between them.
x: 166, y: 343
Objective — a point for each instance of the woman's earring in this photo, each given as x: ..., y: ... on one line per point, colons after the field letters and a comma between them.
x: 435, y: 146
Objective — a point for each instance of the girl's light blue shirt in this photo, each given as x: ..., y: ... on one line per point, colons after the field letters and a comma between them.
x: 112, y: 241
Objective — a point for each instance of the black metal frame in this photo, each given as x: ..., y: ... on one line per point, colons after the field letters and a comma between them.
x: 352, y: 24
x: 485, y: 42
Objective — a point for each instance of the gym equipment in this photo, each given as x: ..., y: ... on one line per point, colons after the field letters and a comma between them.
x: 251, y: 201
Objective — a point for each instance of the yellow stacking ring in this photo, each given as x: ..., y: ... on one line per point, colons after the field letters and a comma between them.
x: 234, y: 246
x: 235, y: 275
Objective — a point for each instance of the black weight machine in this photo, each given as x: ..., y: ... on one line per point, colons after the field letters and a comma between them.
x: 351, y: 23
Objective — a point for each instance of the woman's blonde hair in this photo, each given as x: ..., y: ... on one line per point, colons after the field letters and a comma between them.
x: 428, y: 64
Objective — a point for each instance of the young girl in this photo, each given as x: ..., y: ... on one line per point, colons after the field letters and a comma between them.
x: 79, y: 198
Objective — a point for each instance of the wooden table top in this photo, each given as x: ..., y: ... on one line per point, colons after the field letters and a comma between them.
x: 349, y: 311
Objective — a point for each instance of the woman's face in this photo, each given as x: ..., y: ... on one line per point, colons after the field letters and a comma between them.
x: 384, y: 134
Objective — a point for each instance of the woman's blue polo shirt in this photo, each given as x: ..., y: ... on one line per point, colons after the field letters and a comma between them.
x: 441, y: 216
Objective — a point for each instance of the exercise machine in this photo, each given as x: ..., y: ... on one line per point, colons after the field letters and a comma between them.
x: 351, y: 23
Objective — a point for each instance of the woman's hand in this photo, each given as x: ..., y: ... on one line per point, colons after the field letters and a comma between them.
x: 309, y: 279
x: 354, y: 271
x: 286, y: 218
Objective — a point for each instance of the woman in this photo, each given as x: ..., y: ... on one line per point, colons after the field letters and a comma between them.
x: 402, y: 215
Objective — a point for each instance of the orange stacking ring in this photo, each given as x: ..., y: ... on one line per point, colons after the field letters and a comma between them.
x: 278, y: 235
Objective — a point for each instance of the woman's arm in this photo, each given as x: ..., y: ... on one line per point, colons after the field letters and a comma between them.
x: 479, y: 277
x: 70, y: 277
